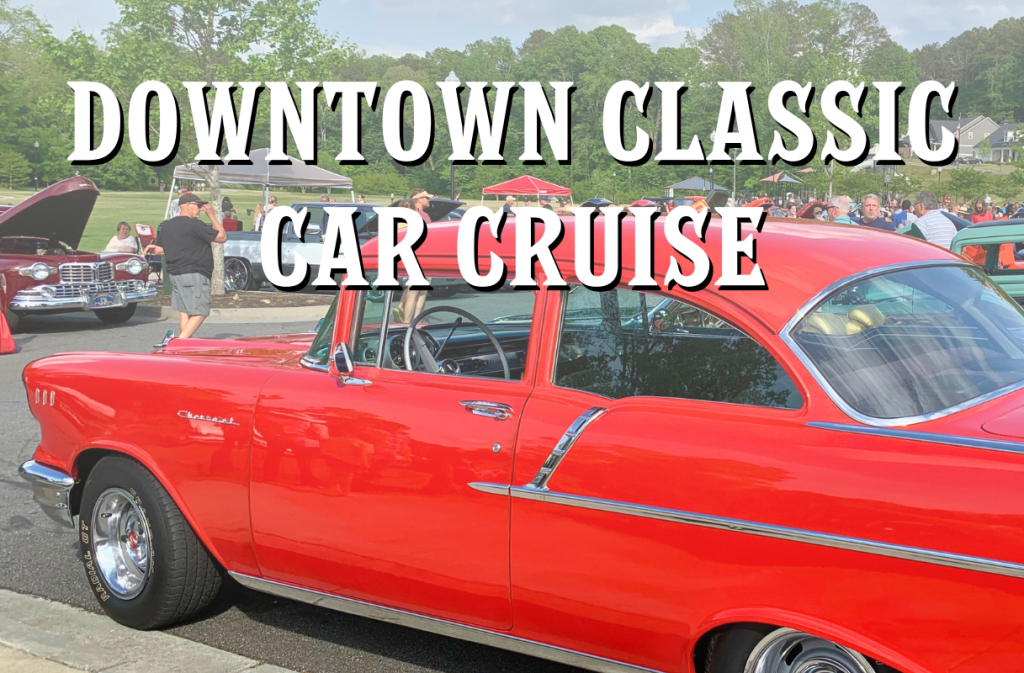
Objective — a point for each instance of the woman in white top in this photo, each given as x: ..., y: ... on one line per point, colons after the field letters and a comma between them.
x: 123, y: 241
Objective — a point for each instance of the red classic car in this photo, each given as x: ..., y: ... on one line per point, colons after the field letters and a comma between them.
x: 41, y: 271
x: 824, y: 476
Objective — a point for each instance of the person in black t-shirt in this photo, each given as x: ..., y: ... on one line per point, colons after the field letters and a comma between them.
x: 184, y: 241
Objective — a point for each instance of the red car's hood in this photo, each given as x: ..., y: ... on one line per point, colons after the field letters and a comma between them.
x: 60, y: 211
x: 282, y: 349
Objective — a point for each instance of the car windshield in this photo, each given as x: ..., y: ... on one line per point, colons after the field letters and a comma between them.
x: 319, y: 352
x: 908, y: 343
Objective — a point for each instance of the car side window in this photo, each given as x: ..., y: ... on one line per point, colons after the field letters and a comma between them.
x: 455, y: 334
x: 624, y: 343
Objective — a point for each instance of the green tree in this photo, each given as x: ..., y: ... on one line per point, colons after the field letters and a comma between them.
x: 216, y: 40
x: 967, y: 183
x: 14, y: 169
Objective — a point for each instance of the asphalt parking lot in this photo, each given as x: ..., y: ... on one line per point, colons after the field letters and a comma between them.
x: 39, y: 557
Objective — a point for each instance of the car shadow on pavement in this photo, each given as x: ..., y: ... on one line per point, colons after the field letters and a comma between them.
x: 58, y: 323
x: 390, y: 642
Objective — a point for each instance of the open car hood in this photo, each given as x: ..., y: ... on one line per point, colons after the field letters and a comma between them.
x: 60, y: 211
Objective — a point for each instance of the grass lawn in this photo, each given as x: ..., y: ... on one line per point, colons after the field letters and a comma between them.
x: 928, y: 177
x: 148, y: 208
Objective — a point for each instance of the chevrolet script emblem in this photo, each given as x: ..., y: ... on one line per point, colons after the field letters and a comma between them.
x: 210, y: 419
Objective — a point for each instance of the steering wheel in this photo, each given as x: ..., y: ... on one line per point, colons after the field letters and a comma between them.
x: 413, y: 336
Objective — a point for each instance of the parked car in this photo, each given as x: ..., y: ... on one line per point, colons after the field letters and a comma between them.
x: 997, y: 247
x: 42, y: 271
x: 969, y: 160
x: 807, y: 212
x: 243, y: 257
x: 824, y: 475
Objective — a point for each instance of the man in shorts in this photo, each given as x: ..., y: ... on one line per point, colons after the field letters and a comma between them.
x: 184, y: 241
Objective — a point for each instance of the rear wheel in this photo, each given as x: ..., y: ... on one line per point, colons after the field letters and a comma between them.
x: 116, y: 315
x: 757, y: 649
x: 238, y: 275
x: 144, y: 562
x: 14, y: 320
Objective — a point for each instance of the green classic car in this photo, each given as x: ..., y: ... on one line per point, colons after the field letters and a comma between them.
x: 998, y: 247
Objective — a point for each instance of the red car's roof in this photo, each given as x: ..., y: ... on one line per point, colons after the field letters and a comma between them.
x: 797, y: 258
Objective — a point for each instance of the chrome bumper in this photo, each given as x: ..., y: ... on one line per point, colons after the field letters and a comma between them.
x: 77, y: 296
x: 51, y: 489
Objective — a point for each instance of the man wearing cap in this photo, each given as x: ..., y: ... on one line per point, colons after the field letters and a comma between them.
x: 420, y: 200
x: 544, y: 202
x: 184, y: 241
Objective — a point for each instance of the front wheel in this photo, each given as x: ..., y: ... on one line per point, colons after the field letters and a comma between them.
x: 116, y: 315
x: 759, y: 649
x: 144, y: 563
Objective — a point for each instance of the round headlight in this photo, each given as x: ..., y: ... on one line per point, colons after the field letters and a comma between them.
x: 47, y: 292
x: 40, y: 271
x: 134, y: 266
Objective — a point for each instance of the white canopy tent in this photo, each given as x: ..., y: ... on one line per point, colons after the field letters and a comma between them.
x: 295, y: 173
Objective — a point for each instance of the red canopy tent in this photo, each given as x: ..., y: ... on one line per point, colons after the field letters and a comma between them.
x: 528, y: 185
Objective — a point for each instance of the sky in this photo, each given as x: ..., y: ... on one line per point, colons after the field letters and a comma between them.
x: 398, y: 27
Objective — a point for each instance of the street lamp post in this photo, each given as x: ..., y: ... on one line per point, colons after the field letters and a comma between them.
x: 452, y: 77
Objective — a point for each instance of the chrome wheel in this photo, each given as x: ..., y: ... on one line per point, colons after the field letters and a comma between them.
x: 121, y: 542
x: 237, y: 276
x: 790, y: 651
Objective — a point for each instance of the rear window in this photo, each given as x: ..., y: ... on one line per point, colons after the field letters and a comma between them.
x: 915, y: 342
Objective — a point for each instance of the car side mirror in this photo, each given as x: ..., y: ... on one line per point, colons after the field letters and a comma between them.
x: 312, y: 229
x: 343, y: 363
x: 343, y: 360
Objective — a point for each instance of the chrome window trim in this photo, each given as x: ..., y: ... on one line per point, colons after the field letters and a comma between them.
x: 1004, y: 446
x: 385, y: 325
x: 310, y: 363
x: 438, y: 626
x: 874, y: 547
x: 787, y: 338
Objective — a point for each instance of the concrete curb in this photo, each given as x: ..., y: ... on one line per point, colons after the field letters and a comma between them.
x: 89, y: 642
x: 259, y: 314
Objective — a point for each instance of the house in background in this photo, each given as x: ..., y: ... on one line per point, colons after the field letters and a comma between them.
x: 1003, y: 144
x: 973, y: 131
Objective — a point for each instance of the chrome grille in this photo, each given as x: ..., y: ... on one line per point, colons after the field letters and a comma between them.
x: 72, y: 290
x: 86, y: 272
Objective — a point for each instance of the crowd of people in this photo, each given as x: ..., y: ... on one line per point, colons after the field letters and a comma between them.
x: 925, y: 211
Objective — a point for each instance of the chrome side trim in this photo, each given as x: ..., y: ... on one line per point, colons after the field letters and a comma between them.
x: 496, y: 489
x: 931, y: 556
x: 554, y: 459
x: 439, y: 626
x: 917, y: 436
x: 787, y: 338
x: 51, y: 489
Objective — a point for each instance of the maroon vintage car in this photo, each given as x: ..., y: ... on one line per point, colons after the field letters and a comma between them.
x: 42, y: 271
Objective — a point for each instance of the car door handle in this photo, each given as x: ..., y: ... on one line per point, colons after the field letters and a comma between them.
x: 495, y: 410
